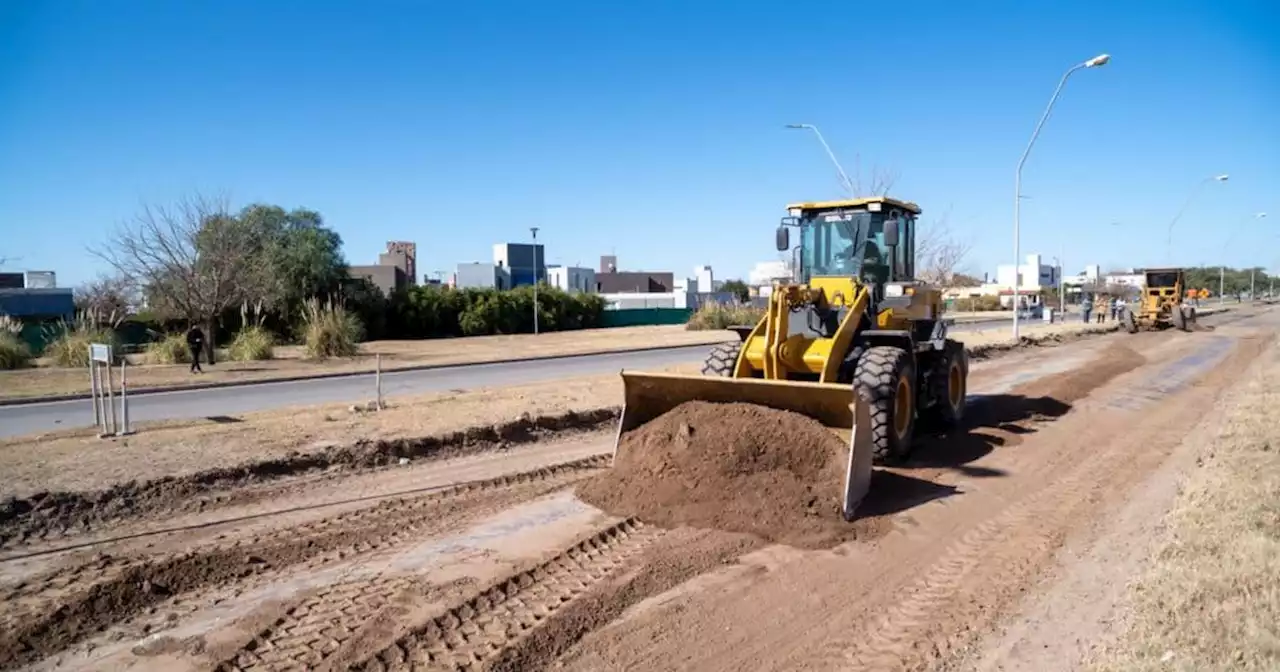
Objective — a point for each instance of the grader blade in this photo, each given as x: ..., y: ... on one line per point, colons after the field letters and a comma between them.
x: 648, y: 395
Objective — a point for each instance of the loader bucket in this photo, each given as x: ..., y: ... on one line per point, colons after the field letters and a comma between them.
x: 648, y: 395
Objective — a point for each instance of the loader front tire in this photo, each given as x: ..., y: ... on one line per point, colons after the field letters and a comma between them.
x: 887, y: 375
x: 722, y: 359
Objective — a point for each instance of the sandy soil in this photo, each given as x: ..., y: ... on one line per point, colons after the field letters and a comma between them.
x: 395, y: 355
x: 396, y: 569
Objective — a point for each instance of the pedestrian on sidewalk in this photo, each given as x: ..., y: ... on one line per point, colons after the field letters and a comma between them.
x: 1115, y: 307
x: 1086, y: 307
x: 195, y: 343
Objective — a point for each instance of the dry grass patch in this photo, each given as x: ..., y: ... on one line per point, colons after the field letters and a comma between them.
x: 1211, y: 600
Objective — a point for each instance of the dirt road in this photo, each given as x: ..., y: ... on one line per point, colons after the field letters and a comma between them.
x: 490, y: 561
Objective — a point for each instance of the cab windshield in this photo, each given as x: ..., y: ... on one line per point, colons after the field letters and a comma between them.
x: 846, y: 244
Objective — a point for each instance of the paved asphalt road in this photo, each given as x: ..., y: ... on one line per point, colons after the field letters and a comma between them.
x: 45, y: 416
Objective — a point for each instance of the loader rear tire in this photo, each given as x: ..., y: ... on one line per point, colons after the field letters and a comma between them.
x: 950, y: 385
x: 722, y: 359
x: 887, y: 375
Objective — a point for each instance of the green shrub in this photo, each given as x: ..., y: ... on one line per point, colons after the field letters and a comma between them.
x: 68, y: 342
x: 722, y: 316
x: 329, y: 330
x: 14, y: 354
x: 253, y: 343
x: 985, y: 302
x: 434, y: 312
x: 170, y: 349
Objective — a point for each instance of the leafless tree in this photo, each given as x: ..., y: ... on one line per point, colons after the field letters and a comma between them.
x: 193, y: 260
x: 107, y: 294
x: 878, y: 183
x: 940, y: 254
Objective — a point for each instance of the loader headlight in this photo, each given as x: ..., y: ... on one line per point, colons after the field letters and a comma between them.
x: 795, y: 212
x: 893, y: 291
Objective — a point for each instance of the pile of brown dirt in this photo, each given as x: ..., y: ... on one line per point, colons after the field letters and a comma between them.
x: 733, y: 467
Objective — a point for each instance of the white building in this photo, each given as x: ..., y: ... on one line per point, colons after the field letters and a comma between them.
x: 1033, y: 275
x: 1130, y: 279
x: 572, y: 278
x: 765, y: 273
x: 481, y: 275
x: 705, y: 279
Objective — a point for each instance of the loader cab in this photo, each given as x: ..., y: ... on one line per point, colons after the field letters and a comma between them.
x: 872, y: 239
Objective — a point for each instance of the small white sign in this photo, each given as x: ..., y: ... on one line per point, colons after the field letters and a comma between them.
x: 100, y: 352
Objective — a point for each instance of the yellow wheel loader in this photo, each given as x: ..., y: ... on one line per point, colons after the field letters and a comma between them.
x: 853, y: 341
x: 1161, y: 303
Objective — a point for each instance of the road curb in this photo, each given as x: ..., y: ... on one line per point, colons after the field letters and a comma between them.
x: 137, y: 391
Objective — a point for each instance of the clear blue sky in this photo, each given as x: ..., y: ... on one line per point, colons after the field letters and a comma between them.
x: 649, y: 129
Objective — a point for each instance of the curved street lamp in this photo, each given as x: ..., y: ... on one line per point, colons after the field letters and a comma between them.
x: 1096, y: 61
x: 1168, y: 245
x: 844, y: 179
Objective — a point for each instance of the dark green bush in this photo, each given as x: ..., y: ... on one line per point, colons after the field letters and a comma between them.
x: 436, y: 312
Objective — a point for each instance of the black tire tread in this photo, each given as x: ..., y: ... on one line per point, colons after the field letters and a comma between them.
x: 877, y: 374
x: 721, y: 360
x: 941, y: 410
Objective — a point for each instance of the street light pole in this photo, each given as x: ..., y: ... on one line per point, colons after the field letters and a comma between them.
x: 1222, y: 269
x: 1094, y: 62
x: 534, y: 231
x: 844, y: 179
x: 1168, y: 245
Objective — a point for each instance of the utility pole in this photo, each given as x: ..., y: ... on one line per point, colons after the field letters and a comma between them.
x: 1094, y: 62
x: 534, y: 230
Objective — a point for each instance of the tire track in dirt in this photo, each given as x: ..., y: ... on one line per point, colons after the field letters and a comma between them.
x: 1002, y: 552
x: 482, y: 628
x: 50, y: 621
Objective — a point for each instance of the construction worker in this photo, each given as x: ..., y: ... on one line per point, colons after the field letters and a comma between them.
x: 1086, y: 307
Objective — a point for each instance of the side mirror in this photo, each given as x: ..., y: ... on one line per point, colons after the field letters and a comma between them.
x: 891, y: 232
x: 783, y: 239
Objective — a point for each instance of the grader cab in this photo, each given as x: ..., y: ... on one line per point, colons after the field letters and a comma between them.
x: 853, y: 336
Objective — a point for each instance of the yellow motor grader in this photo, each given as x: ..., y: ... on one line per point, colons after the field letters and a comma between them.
x: 853, y: 341
x: 1161, y: 303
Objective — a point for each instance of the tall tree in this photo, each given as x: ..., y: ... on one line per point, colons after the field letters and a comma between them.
x: 303, y: 257
x: 193, y: 259
x: 738, y: 288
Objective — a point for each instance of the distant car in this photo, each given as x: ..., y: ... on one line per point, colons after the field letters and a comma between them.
x: 1034, y: 312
